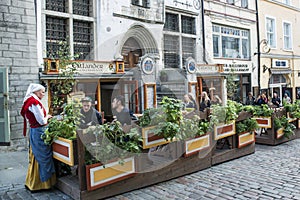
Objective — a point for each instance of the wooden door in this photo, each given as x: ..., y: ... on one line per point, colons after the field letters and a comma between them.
x: 4, y: 108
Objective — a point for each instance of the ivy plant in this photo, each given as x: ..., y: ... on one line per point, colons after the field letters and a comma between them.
x: 283, y: 122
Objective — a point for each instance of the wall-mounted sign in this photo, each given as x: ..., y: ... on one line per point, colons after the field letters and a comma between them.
x: 147, y: 65
x: 191, y: 65
x: 280, y: 63
x: 208, y: 69
x: 92, y: 67
x: 243, y: 68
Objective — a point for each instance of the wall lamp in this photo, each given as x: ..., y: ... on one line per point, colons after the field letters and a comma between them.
x: 265, y: 68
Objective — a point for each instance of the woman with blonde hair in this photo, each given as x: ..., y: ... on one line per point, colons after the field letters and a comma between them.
x: 204, y: 101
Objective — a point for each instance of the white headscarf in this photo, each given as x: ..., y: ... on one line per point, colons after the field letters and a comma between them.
x: 33, y: 87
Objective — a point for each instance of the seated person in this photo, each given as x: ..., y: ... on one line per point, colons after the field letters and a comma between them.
x: 118, y: 109
x: 90, y: 116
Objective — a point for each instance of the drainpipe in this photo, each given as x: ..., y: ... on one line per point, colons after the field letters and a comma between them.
x: 258, y: 45
x: 203, y: 33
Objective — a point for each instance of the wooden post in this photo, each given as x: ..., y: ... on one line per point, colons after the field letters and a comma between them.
x: 81, y: 163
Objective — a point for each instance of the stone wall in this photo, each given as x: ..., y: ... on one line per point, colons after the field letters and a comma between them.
x: 18, y: 50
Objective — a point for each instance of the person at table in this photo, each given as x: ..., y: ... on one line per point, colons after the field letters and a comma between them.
x: 189, y: 102
x: 204, y: 101
x: 119, y: 110
x: 276, y: 100
x: 41, y: 173
x: 90, y: 116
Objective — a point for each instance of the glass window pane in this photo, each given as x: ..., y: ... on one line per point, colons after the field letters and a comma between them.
x: 188, y: 25
x: 56, y: 5
x: 230, y: 47
x: 245, y: 48
x: 82, y: 32
x: 188, y: 48
x: 171, y: 23
x: 82, y: 7
x: 216, y: 45
x: 171, y: 51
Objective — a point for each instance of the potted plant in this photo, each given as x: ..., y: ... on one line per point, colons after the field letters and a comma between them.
x: 171, y: 108
x: 194, y: 133
x: 148, y: 124
x: 263, y: 114
x: 61, y: 133
x: 223, y: 119
x: 110, y: 156
x: 245, y: 131
x: 283, y: 127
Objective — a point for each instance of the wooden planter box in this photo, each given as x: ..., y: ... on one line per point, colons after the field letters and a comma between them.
x: 98, y: 175
x: 193, y: 146
x: 225, y: 130
x: 264, y: 122
x: 64, y: 151
x: 150, y: 139
x: 279, y: 133
x: 246, y: 138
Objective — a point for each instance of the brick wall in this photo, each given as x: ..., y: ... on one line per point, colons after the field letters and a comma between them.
x: 18, y: 52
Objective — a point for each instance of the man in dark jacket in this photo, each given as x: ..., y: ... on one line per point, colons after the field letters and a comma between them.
x: 276, y: 100
x: 118, y: 109
x: 90, y: 116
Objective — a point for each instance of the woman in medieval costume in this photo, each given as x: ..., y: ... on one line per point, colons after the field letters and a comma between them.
x: 41, y: 171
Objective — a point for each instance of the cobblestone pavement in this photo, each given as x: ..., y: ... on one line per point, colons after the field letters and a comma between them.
x: 272, y: 172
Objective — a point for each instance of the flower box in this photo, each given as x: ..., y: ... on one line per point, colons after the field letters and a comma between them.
x: 264, y: 122
x: 290, y: 117
x: 150, y: 139
x: 98, y: 175
x: 279, y: 133
x: 195, y: 145
x: 224, y: 130
x: 63, y: 150
x: 246, y: 138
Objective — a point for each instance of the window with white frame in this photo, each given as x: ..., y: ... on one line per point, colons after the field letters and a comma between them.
x: 142, y: 3
x: 179, y: 39
x: 244, y: 3
x: 270, y: 29
x: 230, y: 42
x: 288, y: 2
x: 230, y: 1
x: 74, y: 26
x: 287, y: 35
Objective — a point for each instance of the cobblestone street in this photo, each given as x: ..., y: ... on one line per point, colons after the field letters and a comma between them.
x: 272, y: 172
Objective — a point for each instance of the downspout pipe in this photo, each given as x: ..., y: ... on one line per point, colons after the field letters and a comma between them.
x: 258, y: 45
x: 203, y: 33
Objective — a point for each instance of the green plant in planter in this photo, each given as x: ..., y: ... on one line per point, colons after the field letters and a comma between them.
x: 151, y: 117
x: 263, y: 111
x: 65, y: 127
x: 112, y: 143
x: 283, y: 122
x: 223, y: 114
x: 172, y: 110
x: 63, y: 85
x: 293, y: 109
x: 246, y: 125
x: 191, y: 128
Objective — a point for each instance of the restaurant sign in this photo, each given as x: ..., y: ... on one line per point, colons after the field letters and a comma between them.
x: 94, y: 67
x: 243, y: 68
x: 208, y: 69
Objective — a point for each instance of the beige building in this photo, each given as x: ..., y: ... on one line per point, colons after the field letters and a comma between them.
x: 231, y: 40
x: 279, y: 47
